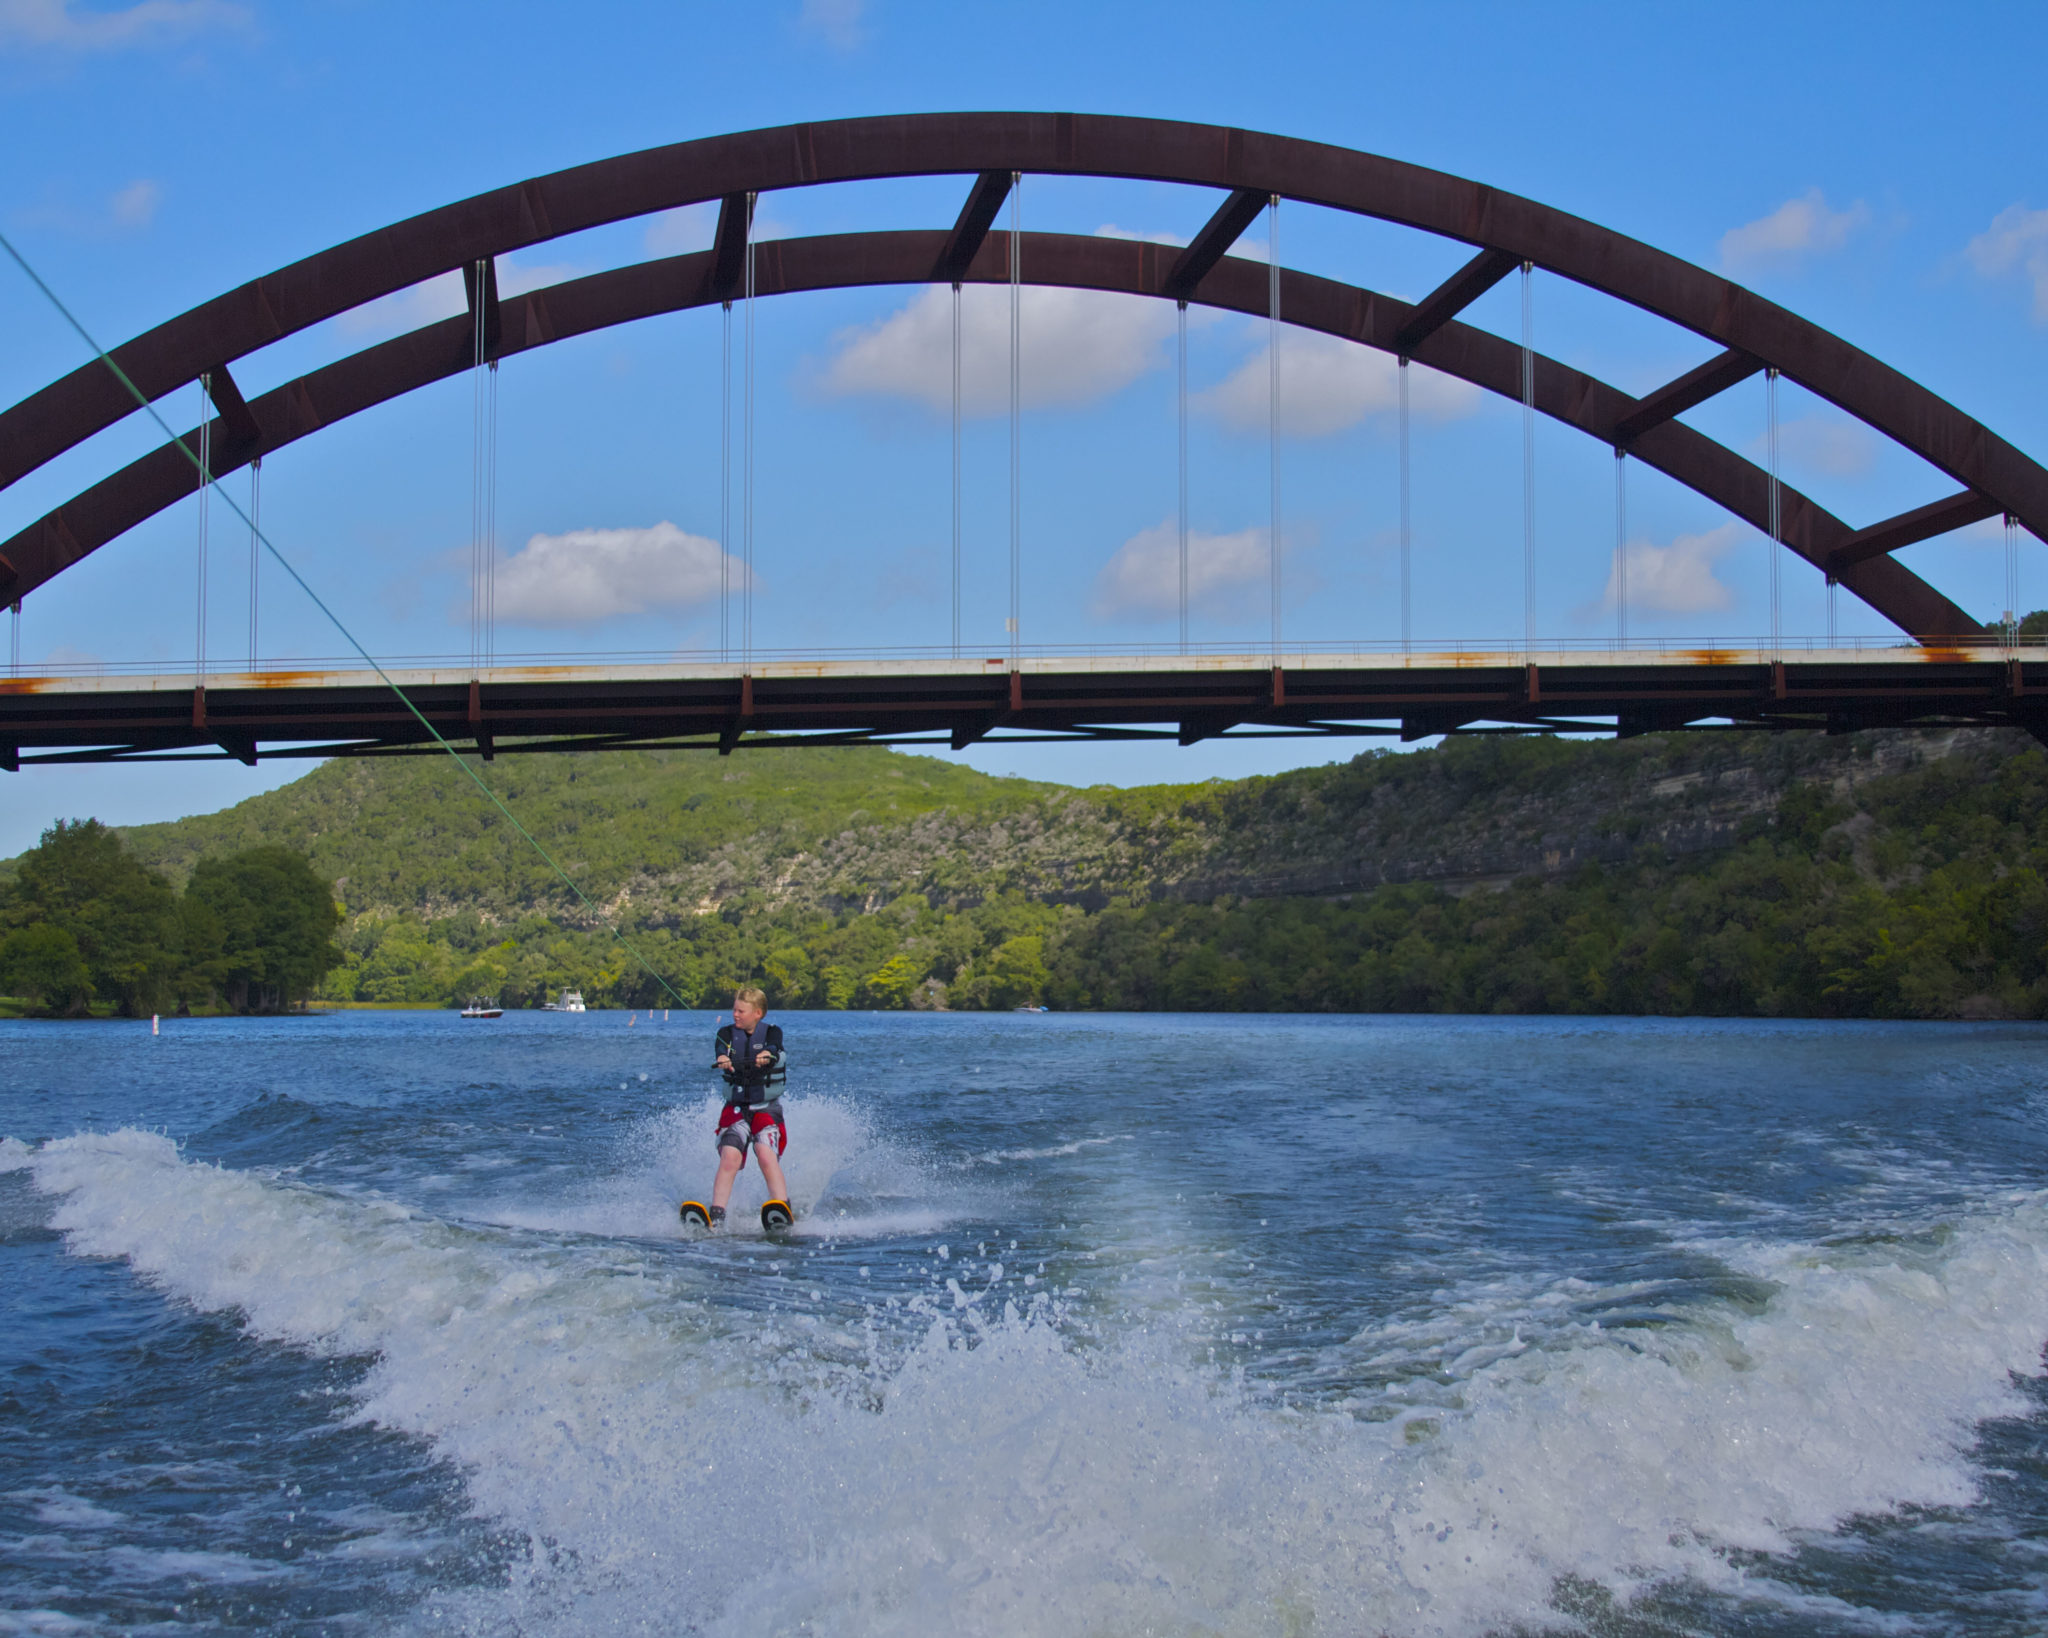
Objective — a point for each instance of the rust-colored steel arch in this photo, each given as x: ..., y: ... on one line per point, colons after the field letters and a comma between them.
x: 786, y: 266
x: 1507, y: 228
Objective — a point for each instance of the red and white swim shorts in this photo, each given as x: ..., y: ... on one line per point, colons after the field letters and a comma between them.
x: 741, y: 1130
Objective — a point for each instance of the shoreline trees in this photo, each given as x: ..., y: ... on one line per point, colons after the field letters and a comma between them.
x: 84, y: 921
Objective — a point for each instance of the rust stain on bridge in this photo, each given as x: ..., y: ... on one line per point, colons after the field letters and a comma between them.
x: 548, y: 708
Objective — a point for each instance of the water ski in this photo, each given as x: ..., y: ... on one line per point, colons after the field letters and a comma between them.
x: 775, y: 1214
x: 694, y: 1215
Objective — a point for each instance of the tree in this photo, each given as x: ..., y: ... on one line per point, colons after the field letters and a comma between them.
x: 1016, y: 972
x: 43, y: 963
x: 791, y: 977
x: 891, y: 985
x: 277, y: 921
x: 121, y: 917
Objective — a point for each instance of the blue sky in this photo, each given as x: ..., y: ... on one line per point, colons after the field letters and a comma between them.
x: 1876, y: 168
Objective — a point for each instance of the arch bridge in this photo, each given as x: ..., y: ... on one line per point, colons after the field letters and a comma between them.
x: 1946, y: 667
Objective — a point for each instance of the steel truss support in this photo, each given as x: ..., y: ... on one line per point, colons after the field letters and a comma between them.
x: 1245, y: 165
x: 580, y: 306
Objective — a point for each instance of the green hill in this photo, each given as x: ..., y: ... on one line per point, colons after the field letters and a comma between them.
x: 1745, y: 873
x: 410, y: 834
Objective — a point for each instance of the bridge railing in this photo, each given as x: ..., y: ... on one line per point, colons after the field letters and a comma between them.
x: 1709, y: 650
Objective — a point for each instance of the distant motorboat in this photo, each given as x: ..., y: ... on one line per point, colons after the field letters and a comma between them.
x: 567, y: 1001
x: 483, y: 1007
x: 1029, y: 1007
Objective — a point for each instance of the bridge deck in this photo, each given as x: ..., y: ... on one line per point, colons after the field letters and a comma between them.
x: 785, y: 701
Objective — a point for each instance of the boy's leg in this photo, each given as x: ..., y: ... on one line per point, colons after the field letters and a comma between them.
x: 771, y: 1164
x: 730, y: 1160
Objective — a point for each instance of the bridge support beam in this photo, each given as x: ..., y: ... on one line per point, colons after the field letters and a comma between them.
x: 1689, y: 391
x: 239, y: 434
x: 728, y: 264
x: 740, y: 721
x: 1213, y: 243
x: 1207, y: 725
x: 979, y: 727
x: 494, y: 318
x: 1910, y: 528
x: 1453, y: 296
x: 977, y: 216
x: 1428, y: 724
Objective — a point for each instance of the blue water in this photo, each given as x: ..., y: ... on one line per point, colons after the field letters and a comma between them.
x: 1175, y: 1325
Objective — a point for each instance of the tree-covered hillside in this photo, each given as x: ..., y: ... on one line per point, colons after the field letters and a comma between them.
x: 412, y: 834
x: 1870, y: 875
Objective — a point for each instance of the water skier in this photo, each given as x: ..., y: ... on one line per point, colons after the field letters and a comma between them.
x: 749, y: 1055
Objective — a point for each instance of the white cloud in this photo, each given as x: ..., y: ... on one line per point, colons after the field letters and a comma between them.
x: 588, y: 575
x: 1841, y: 449
x: 423, y: 303
x: 1797, y: 229
x: 837, y: 22
x: 2016, y: 242
x: 515, y: 280
x: 1327, y: 384
x: 695, y: 227
x: 678, y: 232
x: 154, y: 22
x: 1109, y: 230
x: 444, y: 296
x: 1078, y: 346
x: 1675, y: 579
x: 1826, y: 444
x: 135, y: 205
x: 1143, y: 577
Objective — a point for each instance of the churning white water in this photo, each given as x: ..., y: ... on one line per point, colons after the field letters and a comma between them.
x: 1046, y: 1359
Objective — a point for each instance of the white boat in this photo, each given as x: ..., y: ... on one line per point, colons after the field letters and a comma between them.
x: 566, y: 1001
x: 483, y: 1007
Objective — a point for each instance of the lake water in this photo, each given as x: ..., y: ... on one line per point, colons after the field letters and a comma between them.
x: 382, y: 1322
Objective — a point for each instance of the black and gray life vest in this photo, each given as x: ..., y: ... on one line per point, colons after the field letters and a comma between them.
x: 752, y: 1084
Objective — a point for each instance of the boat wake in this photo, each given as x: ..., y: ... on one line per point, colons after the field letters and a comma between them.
x: 966, y: 1460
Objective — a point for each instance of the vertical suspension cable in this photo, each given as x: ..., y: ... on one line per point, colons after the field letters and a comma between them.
x: 205, y: 484
x: 747, y: 460
x: 1407, y: 521
x: 2012, y: 578
x: 1016, y: 419
x: 478, y: 434
x: 1183, y: 318
x: 14, y: 639
x: 725, y: 487
x: 956, y: 469
x: 1528, y: 462
x: 1620, y: 547
x: 1776, y: 516
x: 1832, y: 583
x: 255, y: 547
x: 491, y: 527
x: 1273, y: 408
